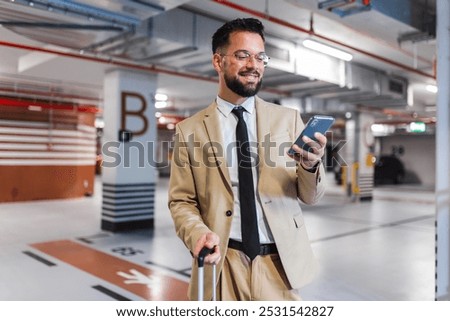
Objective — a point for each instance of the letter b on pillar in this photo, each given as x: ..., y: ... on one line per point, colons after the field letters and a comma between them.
x: 128, y: 174
x: 126, y: 97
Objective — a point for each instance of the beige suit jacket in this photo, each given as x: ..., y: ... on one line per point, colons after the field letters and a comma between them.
x: 201, y: 198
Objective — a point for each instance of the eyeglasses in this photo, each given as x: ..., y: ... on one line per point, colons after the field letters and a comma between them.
x: 244, y: 56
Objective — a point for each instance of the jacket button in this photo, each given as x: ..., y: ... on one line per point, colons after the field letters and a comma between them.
x: 228, y: 213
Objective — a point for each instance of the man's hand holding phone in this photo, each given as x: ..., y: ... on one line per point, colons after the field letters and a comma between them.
x: 309, y: 159
x: 309, y: 147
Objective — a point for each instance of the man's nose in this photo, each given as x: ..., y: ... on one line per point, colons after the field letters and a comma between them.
x: 252, y: 61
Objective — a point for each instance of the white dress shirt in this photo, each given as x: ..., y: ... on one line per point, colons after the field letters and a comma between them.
x: 228, y: 122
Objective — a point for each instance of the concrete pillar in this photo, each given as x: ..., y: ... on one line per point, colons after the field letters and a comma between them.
x: 443, y: 152
x: 358, y: 155
x: 129, y: 145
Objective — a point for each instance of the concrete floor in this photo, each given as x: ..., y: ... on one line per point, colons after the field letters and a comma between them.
x: 375, y: 250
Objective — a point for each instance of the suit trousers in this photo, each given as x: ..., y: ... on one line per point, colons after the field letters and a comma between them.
x: 262, y: 279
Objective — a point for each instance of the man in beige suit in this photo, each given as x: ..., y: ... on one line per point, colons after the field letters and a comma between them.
x: 208, y: 199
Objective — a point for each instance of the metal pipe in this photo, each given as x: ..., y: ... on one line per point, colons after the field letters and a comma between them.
x: 50, y: 25
x: 47, y: 94
x: 128, y: 64
x: 281, y: 22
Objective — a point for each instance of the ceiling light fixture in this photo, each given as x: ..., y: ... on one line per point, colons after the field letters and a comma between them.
x: 432, y: 88
x: 317, y: 46
x: 161, y: 104
x: 161, y: 100
x: 161, y: 97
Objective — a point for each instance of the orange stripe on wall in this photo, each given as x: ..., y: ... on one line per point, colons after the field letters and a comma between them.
x: 159, y: 286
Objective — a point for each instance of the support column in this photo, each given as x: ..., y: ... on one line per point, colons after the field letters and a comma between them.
x: 358, y: 154
x: 129, y: 144
x: 443, y: 152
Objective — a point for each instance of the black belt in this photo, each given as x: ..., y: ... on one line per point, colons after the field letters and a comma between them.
x: 264, y: 249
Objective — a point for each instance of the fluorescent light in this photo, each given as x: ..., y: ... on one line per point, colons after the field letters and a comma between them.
x: 161, y: 97
x: 382, y: 129
x: 432, y: 88
x: 161, y: 104
x: 378, y: 128
x: 34, y: 108
x: 314, y: 45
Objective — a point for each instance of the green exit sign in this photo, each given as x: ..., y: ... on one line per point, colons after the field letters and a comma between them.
x: 417, y: 127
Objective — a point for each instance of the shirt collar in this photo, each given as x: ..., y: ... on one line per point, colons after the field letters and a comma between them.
x: 226, y: 107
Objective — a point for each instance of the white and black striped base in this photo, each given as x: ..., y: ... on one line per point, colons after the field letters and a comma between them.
x: 128, y: 207
x: 365, y: 187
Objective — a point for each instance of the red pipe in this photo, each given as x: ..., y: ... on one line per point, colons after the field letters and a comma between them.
x: 7, y: 102
x: 265, y: 16
x: 148, y: 68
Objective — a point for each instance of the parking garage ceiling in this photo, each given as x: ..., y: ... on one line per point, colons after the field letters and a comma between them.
x: 63, y: 47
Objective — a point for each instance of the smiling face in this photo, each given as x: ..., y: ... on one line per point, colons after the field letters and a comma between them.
x: 240, y: 76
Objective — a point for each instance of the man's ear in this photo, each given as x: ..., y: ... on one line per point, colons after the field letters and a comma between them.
x: 217, y: 62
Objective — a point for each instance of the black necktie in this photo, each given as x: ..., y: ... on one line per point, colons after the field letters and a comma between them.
x: 249, y: 224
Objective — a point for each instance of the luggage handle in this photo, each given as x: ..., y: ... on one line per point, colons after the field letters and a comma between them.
x: 201, y: 262
x: 203, y: 253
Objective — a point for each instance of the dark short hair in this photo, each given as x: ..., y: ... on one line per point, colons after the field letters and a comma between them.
x: 222, y: 36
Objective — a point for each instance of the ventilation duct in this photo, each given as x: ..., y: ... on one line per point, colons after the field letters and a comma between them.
x: 82, y: 24
x: 345, y: 7
x: 374, y: 87
x: 177, y: 37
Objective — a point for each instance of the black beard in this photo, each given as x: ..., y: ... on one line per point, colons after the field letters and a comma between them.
x: 236, y: 86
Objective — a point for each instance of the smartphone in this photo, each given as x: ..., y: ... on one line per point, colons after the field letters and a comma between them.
x: 317, y: 123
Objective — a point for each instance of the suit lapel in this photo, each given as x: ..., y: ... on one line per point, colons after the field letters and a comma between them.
x: 212, y: 127
x: 263, y: 130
